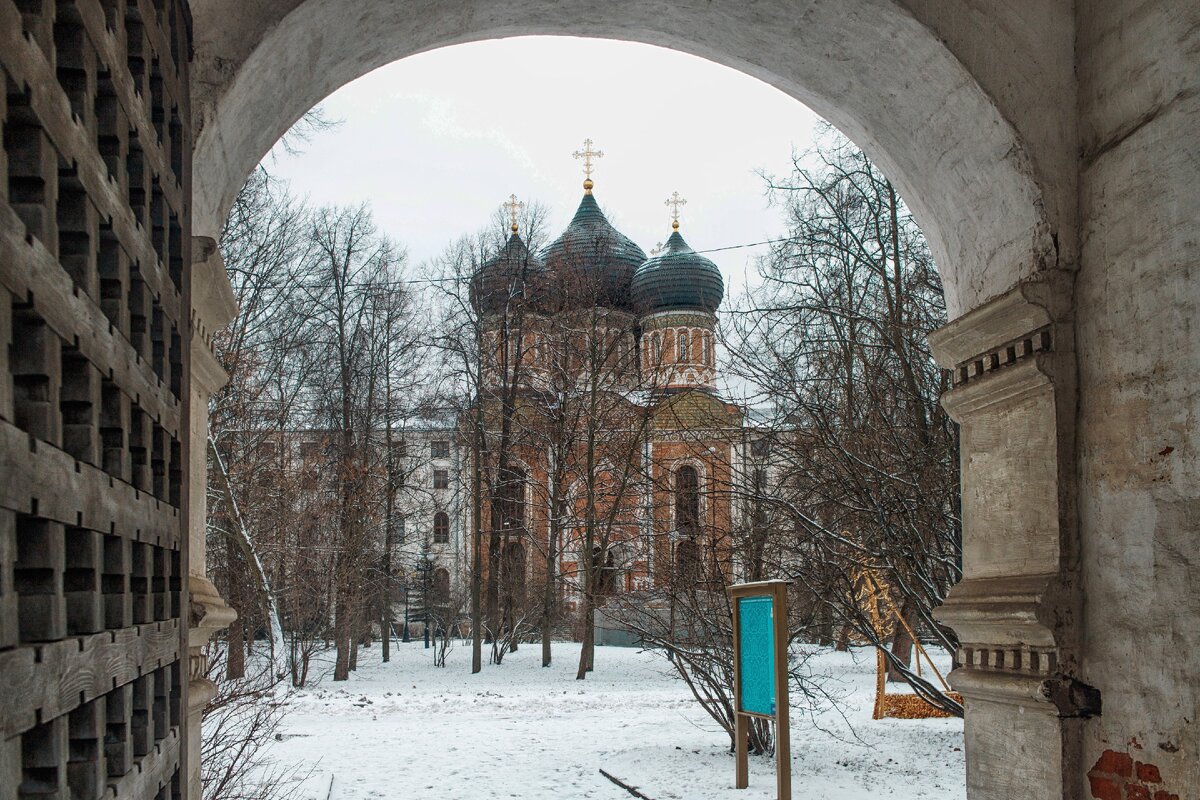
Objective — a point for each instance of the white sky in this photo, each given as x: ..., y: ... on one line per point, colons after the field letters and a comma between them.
x: 437, y: 141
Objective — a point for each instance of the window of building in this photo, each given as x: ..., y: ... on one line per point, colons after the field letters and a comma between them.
x: 512, y: 496
x: 706, y: 342
x: 439, y: 448
x: 656, y: 349
x: 398, y: 529
x: 309, y: 450
x: 439, y: 593
x: 687, y: 500
x: 441, y: 479
x: 514, y: 572
x: 685, y: 342
x: 760, y: 448
x: 605, y: 570
x: 441, y: 528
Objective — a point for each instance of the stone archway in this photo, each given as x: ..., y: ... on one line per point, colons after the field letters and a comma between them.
x: 874, y: 68
x: 1047, y: 149
x: 954, y: 141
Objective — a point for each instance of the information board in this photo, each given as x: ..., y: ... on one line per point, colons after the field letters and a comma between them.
x: 759, y: 612
x: 757, y: 654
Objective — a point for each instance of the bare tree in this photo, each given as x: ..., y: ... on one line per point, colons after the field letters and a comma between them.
x: 863, y: 460
x: 265, y: 356
x: 353, y: 265
x: 484, y: 344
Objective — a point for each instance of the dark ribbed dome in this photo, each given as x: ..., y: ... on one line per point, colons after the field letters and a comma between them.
x: 592, y: 260
x: 677, y: 278
x: 514, y: 273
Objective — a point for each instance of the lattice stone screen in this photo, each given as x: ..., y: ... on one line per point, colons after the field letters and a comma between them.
x: 94, y: 272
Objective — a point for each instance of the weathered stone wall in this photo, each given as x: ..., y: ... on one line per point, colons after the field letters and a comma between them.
x: 1138, y: 311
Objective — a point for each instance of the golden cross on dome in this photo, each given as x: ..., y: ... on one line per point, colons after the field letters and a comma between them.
x: 674, y: 202
x: 587, y: 154
x: 513, y: 206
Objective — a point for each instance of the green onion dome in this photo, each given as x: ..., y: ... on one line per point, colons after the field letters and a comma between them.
x: 592, y: 262
x: 677, y: 278
x: 512, y: 276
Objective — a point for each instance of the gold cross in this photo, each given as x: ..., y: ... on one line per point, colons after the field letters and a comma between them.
x: 587, y: 154
x: 674, y: 202
x: 513, y: 206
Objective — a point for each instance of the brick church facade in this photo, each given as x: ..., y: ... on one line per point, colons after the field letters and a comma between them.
x: 608, y: 449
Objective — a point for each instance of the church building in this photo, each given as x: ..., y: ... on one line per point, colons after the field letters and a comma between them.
x: 608, y: 449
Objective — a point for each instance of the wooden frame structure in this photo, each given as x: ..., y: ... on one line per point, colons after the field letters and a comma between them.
x: 776, y: 590
x: 96, y: 327
x: 899, y: 706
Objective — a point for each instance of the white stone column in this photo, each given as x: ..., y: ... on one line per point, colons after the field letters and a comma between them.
x: 213, y: 307
x: 1016, y: 610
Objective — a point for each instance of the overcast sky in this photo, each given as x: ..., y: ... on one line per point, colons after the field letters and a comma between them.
x: 436, y: 142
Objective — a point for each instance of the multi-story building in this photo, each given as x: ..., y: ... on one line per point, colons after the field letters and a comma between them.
x: 431, y: 519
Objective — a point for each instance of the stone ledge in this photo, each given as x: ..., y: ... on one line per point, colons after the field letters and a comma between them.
x: 1007, y: 319
x: 209, y: 612
x: 1002, y: 612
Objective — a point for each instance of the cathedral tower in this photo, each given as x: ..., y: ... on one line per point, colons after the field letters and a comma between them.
x: 677, y: 293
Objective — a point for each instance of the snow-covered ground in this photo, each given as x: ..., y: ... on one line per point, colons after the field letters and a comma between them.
x: 409, y: 730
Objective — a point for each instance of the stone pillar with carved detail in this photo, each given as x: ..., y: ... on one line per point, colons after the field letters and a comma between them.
x: 1016, y: 610
x: 213, y: 308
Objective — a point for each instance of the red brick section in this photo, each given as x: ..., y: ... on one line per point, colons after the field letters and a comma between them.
x: 1116, y: 776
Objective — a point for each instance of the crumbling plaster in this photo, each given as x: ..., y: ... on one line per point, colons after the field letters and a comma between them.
x: 1138, y: 306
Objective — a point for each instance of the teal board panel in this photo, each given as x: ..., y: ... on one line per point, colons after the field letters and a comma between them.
x: 757, y: 654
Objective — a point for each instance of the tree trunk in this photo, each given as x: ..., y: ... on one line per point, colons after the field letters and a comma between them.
x: 476, y: 536
x: 341, y: 634
x: 385, y: 626
x: 549, y: 591
x: 235, y: 658
x: 902, y: 649
x: 585, y: 652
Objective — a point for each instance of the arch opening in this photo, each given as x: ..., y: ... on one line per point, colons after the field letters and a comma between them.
x: 960, y: 164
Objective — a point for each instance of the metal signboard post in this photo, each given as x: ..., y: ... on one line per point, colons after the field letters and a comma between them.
x: 760, y: 673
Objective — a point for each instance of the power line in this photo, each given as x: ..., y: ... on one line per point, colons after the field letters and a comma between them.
x: 748, y: 244
x: 436, y: 281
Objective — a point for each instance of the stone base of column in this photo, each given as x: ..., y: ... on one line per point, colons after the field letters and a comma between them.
x: 209, y: 614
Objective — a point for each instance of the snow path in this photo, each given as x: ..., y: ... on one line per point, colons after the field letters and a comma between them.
x: 408, y: 730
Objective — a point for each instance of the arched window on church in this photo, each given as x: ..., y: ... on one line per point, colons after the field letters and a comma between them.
x: 605, y: 570
x: 685, y: 341
x: 656, y: 348
x: 687, y: 563
x: 514, y: 573
x: 441, y: 528
x: 706, y: 341
x: 512, y: 497
x: 687, y: 500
